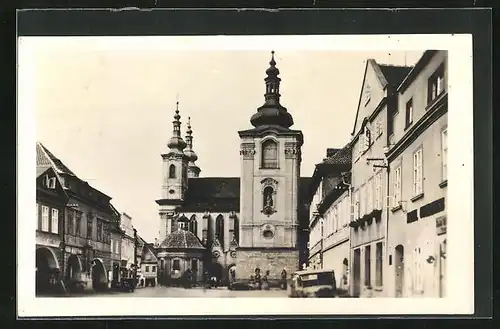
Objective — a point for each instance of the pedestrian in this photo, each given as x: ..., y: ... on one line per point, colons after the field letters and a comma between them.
x: 283, y: 280
x: 258, y: 280
x: 265, y: 282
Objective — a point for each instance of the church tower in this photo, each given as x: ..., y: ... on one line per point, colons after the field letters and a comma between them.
x: 270, y: 173
x: 174, y: 185
x: 193, y: 170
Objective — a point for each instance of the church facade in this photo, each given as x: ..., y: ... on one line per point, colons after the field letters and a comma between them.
x: 256, y: 221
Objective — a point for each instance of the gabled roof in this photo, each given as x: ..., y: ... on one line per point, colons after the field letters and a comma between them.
x: 40, y: 170
x: 148, y: 256
x: 395, y: 74
x: 44, y: 157
x: 340, y: 160
x: 391, y: 75
x: 342, y: 157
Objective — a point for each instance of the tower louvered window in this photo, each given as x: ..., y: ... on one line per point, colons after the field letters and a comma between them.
x: 269, y: 154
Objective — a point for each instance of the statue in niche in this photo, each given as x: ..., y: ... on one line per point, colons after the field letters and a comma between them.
x: 268, y: 197
x: 268, y: 208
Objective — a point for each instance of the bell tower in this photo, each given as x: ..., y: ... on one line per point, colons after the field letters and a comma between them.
x: 174, y: 184
x: 270, y: 172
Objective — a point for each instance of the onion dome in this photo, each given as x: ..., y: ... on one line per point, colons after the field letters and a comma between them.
x: 176, y: 142
x: 181, y: 239
x: 272, y: 112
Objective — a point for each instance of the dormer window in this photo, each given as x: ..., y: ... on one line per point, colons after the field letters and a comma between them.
x: 50, y: 182
x: 171, y: 171
x: 436, y: 84
x: 269, y: 154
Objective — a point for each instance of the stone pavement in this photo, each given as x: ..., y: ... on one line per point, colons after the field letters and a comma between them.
x: 160, y: 291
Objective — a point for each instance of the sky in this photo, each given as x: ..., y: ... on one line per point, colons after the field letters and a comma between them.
x: 107, y: 112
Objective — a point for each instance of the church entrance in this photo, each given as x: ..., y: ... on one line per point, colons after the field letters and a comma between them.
x: 217, y: 271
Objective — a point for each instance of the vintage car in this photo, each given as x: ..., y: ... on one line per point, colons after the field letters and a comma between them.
x: 313, y: 283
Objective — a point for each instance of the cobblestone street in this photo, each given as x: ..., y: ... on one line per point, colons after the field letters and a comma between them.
x: 194, y: 292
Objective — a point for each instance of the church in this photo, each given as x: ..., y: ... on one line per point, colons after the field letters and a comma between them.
x: 223, y: 225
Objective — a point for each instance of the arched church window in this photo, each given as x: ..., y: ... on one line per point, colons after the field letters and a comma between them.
x: 219, y: 229
x: 236, y: 228
x: 269, y: 154
x: 193, y: 225
x: 171, y: 171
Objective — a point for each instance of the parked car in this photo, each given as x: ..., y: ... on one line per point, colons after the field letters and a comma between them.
x: 313, y: 283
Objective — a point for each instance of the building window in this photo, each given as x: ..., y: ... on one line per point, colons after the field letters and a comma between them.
x: 162, y: 264
x: 397, y: 186
x: 153, y: 268
x: 436, y: 84
x: 369, y: 196
x: 89, y: 226
x: 356, y: 205
x: 378, y: 191
x: 183, y: 226
x: 378, y: 264
x: 362, y: 200
x: 55, y: 221
x: 444, y: 154
x: 409, y: 113
x: 176, y: 265
x: 45, y: 218
x: 379, y: 129
x: 193, y: 225
x: 100, y: 236
x: 147, y: 269
x: 69, y: 224
x: 194, y: 265
x: 50, y: 182
x: 368, y: 278
x: 204, y: 235
x: 269, y: 154
x: 171, y: 171
x: 78, y: 223
x: 417, y: 173
x: 38, y: 225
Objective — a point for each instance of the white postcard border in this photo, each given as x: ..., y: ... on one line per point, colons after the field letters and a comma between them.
x: 460, y: 254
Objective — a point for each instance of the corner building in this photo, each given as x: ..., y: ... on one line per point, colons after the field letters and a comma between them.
x: 258, y: 220
x: 418, y: 181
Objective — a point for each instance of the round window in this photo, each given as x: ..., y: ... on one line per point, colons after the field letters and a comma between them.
x: 268, y: 234
x: 171, y: 191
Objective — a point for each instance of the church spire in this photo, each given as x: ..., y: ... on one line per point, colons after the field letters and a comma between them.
x: 272, y: 113
x: 193, y: 169
x: 176, y: 143
x: 272, y: 95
